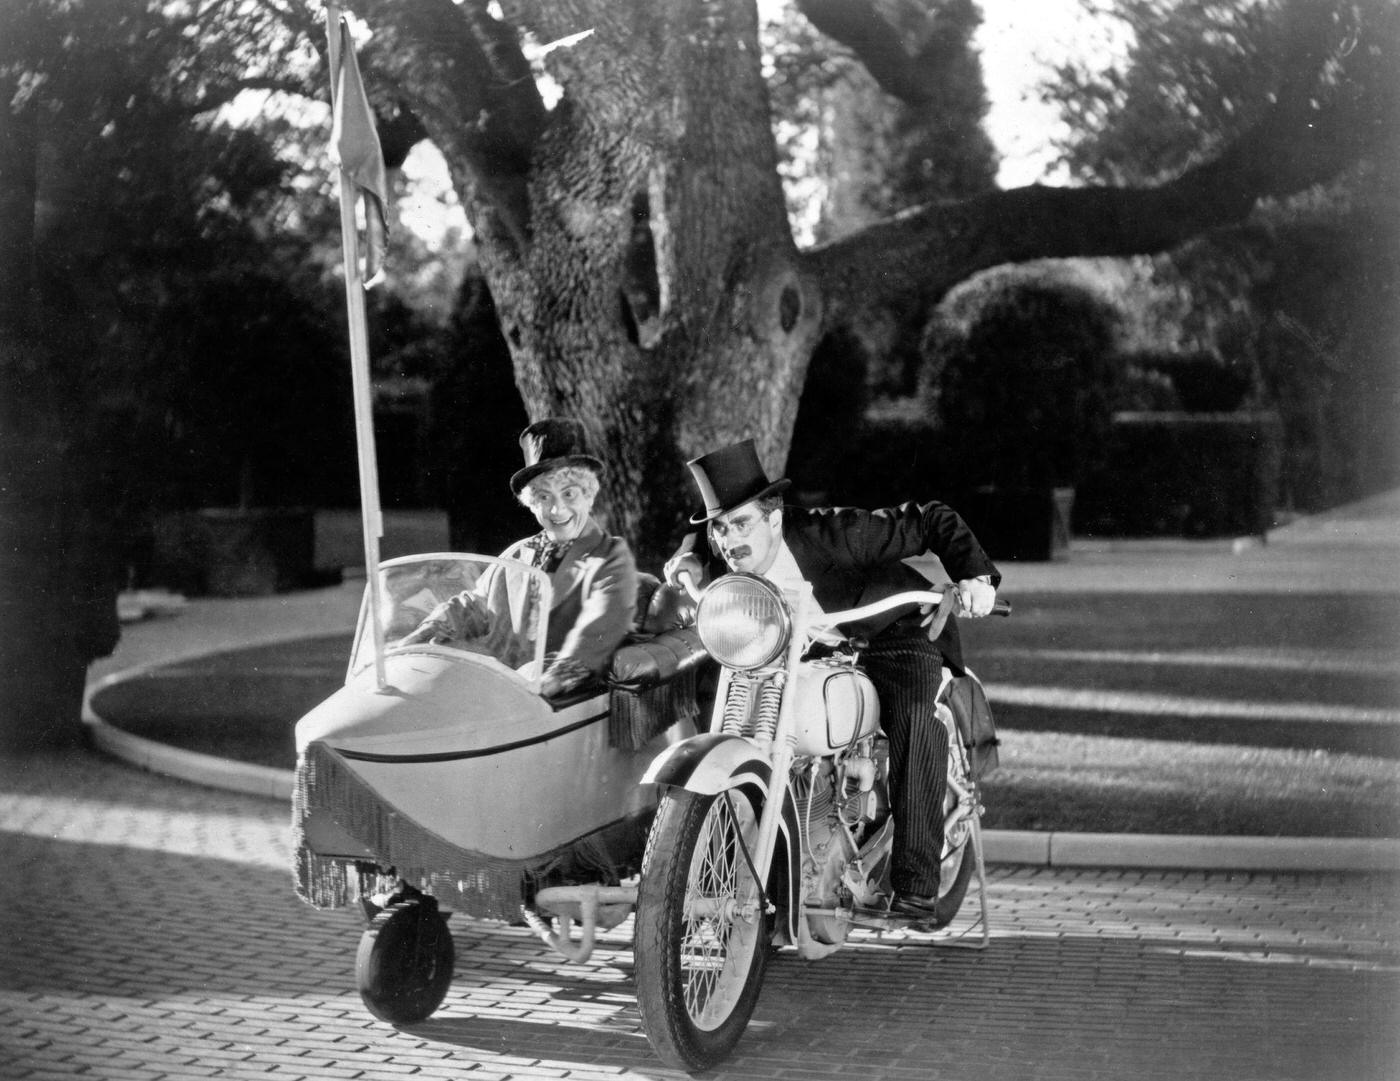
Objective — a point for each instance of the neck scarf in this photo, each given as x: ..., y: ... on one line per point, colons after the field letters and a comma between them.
x: 547, y: 554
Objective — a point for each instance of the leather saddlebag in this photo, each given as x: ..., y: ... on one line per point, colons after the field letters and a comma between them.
x: 968, y: 701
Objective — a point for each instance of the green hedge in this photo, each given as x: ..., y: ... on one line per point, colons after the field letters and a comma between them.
x: 1184, y: 474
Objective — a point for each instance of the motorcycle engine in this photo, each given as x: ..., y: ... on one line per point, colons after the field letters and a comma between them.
x: 837, y: 805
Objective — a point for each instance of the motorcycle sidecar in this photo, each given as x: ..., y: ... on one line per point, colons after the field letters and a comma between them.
x: 455, y: 787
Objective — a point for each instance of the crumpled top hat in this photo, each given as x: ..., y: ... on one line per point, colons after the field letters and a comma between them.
x: 729, y: 478
x: 549, y: 444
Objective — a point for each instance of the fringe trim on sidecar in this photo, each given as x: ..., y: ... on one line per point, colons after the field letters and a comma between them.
x: 471, y: 882
x: 636, y: 717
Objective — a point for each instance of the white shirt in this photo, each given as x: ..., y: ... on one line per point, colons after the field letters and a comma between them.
x: 787, y: 576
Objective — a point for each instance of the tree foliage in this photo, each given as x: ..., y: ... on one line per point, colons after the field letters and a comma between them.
x: 853, y: 152
x: 1302, y: 296
x: 130, y: 219
x: 1199, y: 75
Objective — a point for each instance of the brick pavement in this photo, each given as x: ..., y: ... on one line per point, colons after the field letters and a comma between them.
x: 150, y: 931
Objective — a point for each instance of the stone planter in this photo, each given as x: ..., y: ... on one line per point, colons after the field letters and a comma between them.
x: 236, y: 551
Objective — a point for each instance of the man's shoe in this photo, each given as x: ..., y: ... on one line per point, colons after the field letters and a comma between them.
x: 911, y: 904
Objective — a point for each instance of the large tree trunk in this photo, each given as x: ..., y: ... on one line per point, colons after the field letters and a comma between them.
x: 683, y: 319
x: 647, y: 281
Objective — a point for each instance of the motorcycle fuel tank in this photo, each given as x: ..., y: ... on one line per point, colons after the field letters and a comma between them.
x: 836, y: 705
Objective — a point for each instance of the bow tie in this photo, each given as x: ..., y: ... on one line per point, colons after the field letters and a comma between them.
x: 549, y: 554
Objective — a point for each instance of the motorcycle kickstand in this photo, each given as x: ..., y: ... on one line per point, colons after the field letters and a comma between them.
x: 962, y: 941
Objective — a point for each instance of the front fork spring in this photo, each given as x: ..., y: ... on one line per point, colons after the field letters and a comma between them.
x: 770, y: 700
x: 751, y: 707
x: 736, y: 707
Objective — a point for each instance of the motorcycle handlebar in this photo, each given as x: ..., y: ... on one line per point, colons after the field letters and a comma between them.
x: 830, y: 620
x: 834, y: 619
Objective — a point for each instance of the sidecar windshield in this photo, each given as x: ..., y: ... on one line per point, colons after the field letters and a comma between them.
x: 478, y: 604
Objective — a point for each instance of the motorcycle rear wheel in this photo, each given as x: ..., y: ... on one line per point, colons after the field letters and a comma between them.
x: 701, y: 943
x: 960, y: 864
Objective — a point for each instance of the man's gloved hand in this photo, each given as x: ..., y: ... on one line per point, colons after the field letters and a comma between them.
x: 976, y: 596
x: 424, y: 632
x: 684, y: 565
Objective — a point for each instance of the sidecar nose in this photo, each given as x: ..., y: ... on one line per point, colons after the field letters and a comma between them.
x: 431, y: 703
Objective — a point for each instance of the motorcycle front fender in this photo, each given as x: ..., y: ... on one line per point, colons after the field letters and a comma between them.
x: 708, y: 764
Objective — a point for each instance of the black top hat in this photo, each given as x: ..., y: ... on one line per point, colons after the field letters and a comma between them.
x: 729, y: 478
x: 549, y: 444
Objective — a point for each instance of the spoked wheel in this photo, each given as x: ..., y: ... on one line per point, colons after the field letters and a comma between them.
x: 701, y: 935
x: 404, y: 964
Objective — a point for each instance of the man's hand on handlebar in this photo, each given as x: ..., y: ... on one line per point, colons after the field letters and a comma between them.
x: 686, y: 571
x: 976, y: 597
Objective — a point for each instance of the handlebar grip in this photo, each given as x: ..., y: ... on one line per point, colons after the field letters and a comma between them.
x: 1001, y: 608
x: 687, y: 582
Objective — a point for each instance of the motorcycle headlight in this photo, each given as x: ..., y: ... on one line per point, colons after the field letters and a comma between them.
x: 744, y: 621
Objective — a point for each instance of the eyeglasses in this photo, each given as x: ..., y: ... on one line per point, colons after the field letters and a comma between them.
x: 739, y: 527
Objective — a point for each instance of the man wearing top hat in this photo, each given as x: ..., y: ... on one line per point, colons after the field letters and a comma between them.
x: 593, y: 575
x: 851, y: 558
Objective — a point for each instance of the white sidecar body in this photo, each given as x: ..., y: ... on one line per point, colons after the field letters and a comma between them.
x: 442, y: 767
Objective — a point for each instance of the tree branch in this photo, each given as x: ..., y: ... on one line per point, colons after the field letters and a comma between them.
x: 216, y: 98
x: 879, y: 46
x: 447, y: 61
x: 1301, y: 141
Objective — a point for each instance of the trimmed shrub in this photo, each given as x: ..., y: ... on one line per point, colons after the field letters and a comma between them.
x: 1026, y: 379
x: 1185, y: 474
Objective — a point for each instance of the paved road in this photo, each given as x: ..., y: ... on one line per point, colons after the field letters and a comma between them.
x: 150, y: 931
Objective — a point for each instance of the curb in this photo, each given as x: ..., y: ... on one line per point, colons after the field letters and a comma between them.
x: 1193, y: 852
x: 204, y: 769
x: 1022, y: 847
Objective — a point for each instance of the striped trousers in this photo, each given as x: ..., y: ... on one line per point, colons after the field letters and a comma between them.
x: 906, y: 672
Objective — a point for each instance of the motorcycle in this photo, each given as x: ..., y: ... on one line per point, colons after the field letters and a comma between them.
x: 774, y: 826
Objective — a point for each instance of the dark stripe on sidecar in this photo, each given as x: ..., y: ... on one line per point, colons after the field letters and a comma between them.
x: 482, y: 752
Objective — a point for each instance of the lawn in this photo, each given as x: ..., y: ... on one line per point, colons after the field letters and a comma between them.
x: 1106, y: 784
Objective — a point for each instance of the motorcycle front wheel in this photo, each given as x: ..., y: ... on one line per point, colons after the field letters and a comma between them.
x: 701, y: 934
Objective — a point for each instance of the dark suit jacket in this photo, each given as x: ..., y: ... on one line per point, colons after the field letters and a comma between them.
x: 854, y: 557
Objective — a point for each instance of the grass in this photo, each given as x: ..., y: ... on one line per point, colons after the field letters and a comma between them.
x: 1107, y: 784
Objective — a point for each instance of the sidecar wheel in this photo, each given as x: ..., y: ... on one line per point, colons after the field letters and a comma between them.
x: 404, y: 964
x: 701, y: 936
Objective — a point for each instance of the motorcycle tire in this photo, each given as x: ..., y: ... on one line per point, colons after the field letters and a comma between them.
x: 951, y: 899
x: 701, y: 941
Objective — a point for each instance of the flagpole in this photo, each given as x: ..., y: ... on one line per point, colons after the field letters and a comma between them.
x: 371, y: 517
